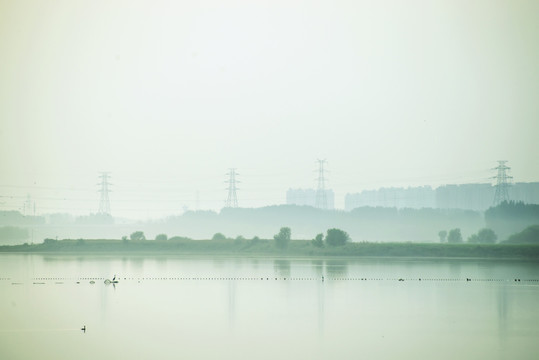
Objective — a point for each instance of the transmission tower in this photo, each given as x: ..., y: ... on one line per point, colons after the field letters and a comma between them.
x: 321, y: 194
x: 28, y: 205
x: 232, y: 199
x: 104, y: 202
x: 502, y: 183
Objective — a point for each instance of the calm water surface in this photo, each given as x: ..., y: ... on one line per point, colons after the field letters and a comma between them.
x: 168, y: 307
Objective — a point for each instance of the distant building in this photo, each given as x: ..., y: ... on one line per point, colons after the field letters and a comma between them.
x: 526, y: 192
x: 308, y: 197
x: 478, y: 197
x: 416, y: 198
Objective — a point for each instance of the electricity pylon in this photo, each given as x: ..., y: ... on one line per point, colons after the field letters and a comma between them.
x: 104, y: 202
x: 28, y: 205
x: 232, y: 199
x: 321, y: 201
x: 502, y: 183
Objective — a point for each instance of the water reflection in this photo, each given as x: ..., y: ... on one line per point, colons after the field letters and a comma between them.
x: 502, y: 307
x: 219, y: 263
x: 336, y: 269
x: 321, y: 298
x: 136, y: 264
x: 161, y: 262
x: 282, y: 267
x: 231, y: 303
x: 455, y: 269
x: 318, y: 267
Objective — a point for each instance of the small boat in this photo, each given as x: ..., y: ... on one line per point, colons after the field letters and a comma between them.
x: 84, y: 329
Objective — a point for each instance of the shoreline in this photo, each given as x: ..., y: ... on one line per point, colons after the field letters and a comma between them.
x: 266, y: 248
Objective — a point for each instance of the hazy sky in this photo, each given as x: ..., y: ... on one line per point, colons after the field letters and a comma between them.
x: 167, y: 95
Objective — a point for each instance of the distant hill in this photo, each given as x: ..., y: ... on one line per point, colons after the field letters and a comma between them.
x: 10, y: 235
x: 363, y: 224
x: 372, y: 224
x: 530, y: 235
x: 511, y: 217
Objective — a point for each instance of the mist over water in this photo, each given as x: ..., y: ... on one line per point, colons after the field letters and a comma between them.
x: 171, y: 307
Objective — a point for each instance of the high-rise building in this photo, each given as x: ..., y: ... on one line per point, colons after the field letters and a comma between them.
x: 416, y: 198
x: 476, y: 197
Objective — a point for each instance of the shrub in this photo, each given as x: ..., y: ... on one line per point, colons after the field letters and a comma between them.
x: 179, y: 238
x: 137, y: 235
x: 50, y: 242
x: 161, y: 237
x: 218, y: 237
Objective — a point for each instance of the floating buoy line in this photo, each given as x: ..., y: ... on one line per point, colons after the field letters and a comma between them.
x: 117, y: 280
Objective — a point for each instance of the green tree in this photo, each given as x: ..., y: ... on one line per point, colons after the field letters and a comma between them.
x: 218, y: 237
x: 443, y: 235
x: 454, y: 236
x: 137, y: 235
x: 283, y: 237
x: 318, y: 241
x: 484, y: 236
x: 487, y: 236
x: 337, y: 237
x: 161, y: 237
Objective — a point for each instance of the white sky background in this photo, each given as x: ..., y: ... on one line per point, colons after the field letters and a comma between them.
x: 167, y: 95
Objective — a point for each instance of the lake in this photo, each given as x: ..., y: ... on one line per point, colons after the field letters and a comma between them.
x: 174, y: 307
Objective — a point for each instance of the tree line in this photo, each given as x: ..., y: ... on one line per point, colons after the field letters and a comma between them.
x: 333, y: 237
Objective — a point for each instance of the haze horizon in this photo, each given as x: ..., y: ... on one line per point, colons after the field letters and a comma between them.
x: 168, y: 97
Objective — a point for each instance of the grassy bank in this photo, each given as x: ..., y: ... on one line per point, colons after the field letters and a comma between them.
x: 268, y: 248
